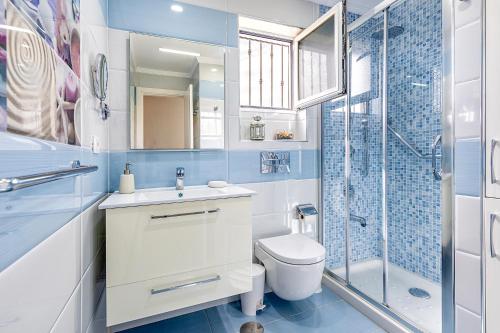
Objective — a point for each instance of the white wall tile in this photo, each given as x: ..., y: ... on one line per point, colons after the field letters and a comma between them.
x: 468, y: 52
x: 467, y: 12
x: 70, y: 319
x: 118, y: 89
x: 94, y: 12
x: 232, y: 100
x: 92, y: 287
x: 468, y: 281
x: 92, y: 123
x: 271, y: 197
x: 270, y: 225
x: 302, y: 192
x: 93, y: 233
x: 468, y: 109
x: 274, y: 207
x: 468, y: 224
x: 119, y: 130
x: 36, y: 288
x: 118, y: 49
x: 467, y: 322
x: 232, y: 64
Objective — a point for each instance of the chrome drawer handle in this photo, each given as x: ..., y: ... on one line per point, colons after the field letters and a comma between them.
x: 494, y: 179
x: 493, y: 252
x: 200, y: 212
x: 212, y: 278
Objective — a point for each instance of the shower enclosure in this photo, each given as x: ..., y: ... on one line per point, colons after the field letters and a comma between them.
x: 384, y: 228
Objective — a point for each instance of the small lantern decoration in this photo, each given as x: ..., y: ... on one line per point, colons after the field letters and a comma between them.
x: 257, y: 129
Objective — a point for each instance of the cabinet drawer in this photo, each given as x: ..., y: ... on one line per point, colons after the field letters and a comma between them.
x: 147, y: 298
x: 147, y: 242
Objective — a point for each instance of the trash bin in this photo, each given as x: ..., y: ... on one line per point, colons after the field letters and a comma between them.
x: 254, y: 299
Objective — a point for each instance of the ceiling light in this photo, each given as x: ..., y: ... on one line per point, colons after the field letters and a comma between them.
x: 193, y: 54
x: 176, y: 8
x: 214, y: 69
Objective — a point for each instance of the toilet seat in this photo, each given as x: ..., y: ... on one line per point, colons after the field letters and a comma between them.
x: 293, y: 249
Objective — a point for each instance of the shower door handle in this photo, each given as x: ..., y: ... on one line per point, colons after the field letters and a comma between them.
x: 493, y: 179
x: 493, y: 252
x: 435, y: 172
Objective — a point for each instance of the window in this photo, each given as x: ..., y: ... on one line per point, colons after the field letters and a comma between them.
x: 265, y: 67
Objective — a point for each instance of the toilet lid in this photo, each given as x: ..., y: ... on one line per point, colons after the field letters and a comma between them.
x: 295, y: 249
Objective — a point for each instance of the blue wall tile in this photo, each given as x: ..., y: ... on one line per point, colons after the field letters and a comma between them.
x: 155, y: 17
x: 157, y: 168
x: 244, y: 167
x: 468, y: 167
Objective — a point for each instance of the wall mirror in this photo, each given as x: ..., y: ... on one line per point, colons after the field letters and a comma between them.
x: 176, y: 94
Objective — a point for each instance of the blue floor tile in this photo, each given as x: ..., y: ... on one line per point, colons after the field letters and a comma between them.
x: 228, y: 318
x: 322, y: 312
x: 196, y: 322
x: 334, y: 317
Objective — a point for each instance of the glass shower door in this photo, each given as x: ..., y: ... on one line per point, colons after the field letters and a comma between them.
x: 414, y: 76
x: 332, y: 181
x: 366, y: 146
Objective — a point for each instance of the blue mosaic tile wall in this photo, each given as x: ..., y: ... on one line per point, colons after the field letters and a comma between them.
x: 366, y: 180
x: 414, y: 109
x: 414, y: 93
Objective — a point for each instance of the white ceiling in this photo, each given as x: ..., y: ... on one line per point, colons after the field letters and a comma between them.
x: 145, y: 54
x: 355, y: 6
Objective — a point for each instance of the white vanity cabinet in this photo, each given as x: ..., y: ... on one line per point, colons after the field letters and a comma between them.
x: 492, y: 87
x: 492, y: 270
x: 165, y: 257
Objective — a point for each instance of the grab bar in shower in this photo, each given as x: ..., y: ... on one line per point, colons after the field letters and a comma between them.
x: 16, y: 183
x: 361, y: 220
x: 412, y: 148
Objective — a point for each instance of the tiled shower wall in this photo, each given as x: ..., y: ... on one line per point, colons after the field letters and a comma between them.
x: 414, y: 93
x: 414, y: 110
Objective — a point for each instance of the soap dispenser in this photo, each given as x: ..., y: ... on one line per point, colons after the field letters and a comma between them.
x: 127, y: 183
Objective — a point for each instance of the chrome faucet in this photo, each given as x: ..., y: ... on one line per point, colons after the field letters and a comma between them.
x: 179, y: 182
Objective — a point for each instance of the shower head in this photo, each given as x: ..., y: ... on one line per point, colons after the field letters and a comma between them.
x: 393, y: 32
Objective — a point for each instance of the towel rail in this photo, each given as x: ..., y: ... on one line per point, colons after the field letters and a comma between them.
x: 16, y: 183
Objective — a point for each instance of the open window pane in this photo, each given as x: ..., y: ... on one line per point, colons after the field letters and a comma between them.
x: 318, y: 58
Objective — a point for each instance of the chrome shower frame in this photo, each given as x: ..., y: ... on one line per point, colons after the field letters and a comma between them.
x: 447, y: 187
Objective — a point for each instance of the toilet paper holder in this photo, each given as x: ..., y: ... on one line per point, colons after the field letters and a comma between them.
x: 304, y: 210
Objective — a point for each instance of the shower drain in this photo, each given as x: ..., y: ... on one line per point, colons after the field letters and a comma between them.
x: 420, y: 293
x: 252, y: 327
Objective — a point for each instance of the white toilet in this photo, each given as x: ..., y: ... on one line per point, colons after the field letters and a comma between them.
x: 294, y: 265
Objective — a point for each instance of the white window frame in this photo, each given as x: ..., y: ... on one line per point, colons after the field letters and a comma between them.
x: 337, y: 12
x: 256, y: 36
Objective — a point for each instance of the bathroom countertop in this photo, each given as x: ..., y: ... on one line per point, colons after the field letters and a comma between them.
x: 156, y: 196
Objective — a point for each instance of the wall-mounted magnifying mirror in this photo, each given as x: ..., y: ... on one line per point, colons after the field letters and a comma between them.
x: 100, y: 82
x: 176, y: 94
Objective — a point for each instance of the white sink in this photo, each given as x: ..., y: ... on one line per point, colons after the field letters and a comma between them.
x: 157, y: 196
